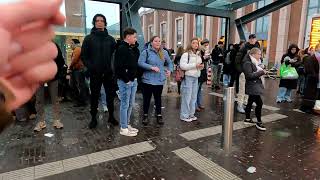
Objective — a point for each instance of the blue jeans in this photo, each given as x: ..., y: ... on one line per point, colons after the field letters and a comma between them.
x: 284, y: 94
x: 301, y: 83
x: 199, y: 95
x: 226, y: 79
x: 103, y: 97
x: 189, y: 90
x: 127, y: 95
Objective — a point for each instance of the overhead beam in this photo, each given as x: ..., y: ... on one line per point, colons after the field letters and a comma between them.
x: 186, y: 8
x: 276, y: 5
x: 110, y: 1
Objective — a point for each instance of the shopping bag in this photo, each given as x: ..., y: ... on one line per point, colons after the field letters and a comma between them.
x: 316, y: 107
x: 288, y: 72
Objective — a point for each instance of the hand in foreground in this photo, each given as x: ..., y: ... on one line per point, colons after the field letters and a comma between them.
x: 26, y: 49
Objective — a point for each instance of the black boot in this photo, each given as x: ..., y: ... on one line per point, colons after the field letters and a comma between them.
x: 145, y: 120
x: 93, y: 124
x: 113, y: 121
x: 160, y: 120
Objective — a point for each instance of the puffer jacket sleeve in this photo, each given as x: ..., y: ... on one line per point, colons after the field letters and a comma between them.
x: 249, y: 73
x: 142, y: 62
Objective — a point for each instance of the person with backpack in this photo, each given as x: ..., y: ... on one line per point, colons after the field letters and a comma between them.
x: 53, y: 92
x: 216, y: 66
x: 178, y: 75
x: 126, y: 65
x: 153, y: 60
x: 234, y: 73
x: 227, y: 66
x: 240, y: 59
x: 192, y: 64
x: 96, y: 54
x: 205, y: 56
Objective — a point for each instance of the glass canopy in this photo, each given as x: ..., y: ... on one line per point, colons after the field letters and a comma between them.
x: 217, y: 4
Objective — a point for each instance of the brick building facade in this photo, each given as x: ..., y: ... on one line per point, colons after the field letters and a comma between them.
x: 275, y: 31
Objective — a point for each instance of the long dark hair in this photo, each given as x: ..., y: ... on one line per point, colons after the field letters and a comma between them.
x: 95, y: 18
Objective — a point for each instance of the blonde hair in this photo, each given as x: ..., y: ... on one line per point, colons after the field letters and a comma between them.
x: 189, y: 47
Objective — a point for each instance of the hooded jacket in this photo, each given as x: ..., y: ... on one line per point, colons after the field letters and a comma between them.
x: 97, y: 50
x: 126, y: 61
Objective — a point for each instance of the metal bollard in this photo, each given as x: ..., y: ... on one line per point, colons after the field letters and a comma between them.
x: 228, y: 99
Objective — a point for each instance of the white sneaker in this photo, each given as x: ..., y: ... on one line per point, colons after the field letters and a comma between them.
x: 132, y: 129
x: 162, y: 107
x: 126, y: 132
x: 240, y: 109
x: 186, y: 119
x: 193, y: 118
x: 105, y: 109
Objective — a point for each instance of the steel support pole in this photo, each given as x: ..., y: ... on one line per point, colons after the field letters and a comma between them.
x: 228, y: 99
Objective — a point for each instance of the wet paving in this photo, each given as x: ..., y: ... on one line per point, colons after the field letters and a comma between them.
x: 289, y: 149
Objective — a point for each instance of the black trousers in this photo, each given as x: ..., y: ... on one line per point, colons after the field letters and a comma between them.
x: 96, y: 81
x: 235, y: 77
x: 79, y: 78
x: 257, y: 99
x: 148, y: 90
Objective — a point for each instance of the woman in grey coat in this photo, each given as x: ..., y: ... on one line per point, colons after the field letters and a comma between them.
x: 253, y: 70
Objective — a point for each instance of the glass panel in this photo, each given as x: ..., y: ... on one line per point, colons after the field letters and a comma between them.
x: 164, y: 31
x: 266, y: 23
x: 313, y: 3
x: 223, y: 27
x: 79, y: 15
x: 199, y: 25
x: 179, y: 23
x: 260, y: 4
x: 259, y: 25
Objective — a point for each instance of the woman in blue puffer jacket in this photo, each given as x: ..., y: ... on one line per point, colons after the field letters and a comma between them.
x: 153, y: 61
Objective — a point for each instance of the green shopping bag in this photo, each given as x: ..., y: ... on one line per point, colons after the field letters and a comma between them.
x: 288, y: 72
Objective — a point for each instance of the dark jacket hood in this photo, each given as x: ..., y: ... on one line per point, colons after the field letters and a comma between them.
x: 289, y: 51
x: 124, y: 43
x: 250, y: 46
x: 95, y: 31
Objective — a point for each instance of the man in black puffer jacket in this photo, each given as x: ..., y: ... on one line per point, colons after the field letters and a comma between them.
x: 239, y: 61
x: 96, y: 54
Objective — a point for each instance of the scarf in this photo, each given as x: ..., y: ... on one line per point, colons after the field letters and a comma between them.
x: 259, y: 66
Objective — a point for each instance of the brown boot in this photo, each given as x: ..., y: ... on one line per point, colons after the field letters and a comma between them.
x: 57, y: 124
x: 40, y: 125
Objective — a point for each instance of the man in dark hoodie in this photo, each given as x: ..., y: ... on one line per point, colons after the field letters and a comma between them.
x: 126, y: 68
x: 96, y: 54
x: 239, y: 61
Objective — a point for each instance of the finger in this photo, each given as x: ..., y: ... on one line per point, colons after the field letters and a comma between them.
x: 21, y: 63
x: 41, y: 73
x: 22, y: 96
x: 24, y: 12
x: 4, y: 48
x: 26, y: 39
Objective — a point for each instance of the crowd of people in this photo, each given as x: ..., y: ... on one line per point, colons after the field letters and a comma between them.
x: 102, y: 67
